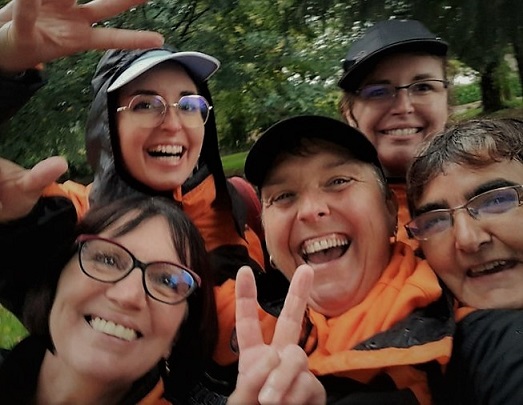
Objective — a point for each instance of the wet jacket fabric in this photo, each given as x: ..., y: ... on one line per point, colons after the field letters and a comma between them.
x: 20, y: 370
x: 486, y: 363
x: 210, y: 201
x: 390, y: 348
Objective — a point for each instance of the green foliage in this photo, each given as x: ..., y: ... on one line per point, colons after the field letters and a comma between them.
x: 11, y: 330
x: 466, y: 93
x: 279, y: 58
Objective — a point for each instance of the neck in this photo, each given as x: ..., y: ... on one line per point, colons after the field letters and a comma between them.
x: 58, y: 383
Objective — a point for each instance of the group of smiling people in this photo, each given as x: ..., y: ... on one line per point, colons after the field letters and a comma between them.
x: 374, y: 307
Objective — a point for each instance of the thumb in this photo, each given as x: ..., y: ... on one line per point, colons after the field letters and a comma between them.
x: 43, y: 173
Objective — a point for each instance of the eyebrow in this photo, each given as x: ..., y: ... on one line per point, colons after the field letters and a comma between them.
x: 482, y: 188
x: 148, y: 92
x: 418, y: 77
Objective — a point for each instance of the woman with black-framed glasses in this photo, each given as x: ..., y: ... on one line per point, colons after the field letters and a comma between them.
x: 465, y: 195
x: 123, y: 311
x: 121, y: 303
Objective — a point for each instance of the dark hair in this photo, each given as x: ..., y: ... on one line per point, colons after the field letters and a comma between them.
x: 473, y: 143
x: 197, y: 335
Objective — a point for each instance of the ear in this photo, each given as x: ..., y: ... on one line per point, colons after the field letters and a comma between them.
x: 392, y: 207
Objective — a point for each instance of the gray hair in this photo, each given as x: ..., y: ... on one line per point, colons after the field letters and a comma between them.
x: 473, y: 143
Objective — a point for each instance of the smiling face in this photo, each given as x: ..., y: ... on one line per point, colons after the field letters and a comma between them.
x: 114, y: 332
x: 481, y: 260
x: 328, y: 210
x: 163, y: 157
x: 398, y: 127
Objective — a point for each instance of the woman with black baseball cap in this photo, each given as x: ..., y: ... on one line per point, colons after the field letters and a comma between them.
x: 395, y: 92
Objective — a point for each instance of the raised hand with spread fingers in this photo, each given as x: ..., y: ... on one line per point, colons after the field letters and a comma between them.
x: 38, y: 31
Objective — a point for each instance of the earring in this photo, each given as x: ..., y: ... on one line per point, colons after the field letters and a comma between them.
x: 166, y: 367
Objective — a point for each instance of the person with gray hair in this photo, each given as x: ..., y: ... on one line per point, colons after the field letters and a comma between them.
x: 465, y: 192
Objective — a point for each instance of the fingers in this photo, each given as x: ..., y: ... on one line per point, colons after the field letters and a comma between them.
x: 288, y: 327
x: 248, y: 328
x: 25, y: 13
x: 44, y: 173
x: 117, y: 38
x: 292, y: 382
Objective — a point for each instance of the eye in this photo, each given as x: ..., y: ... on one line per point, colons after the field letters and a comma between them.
x: 108, y: 260
x: 189, y: 104
x: 433, y: 221
x: 376, y: 91
x: 496, y: 201
x: 422, y: 87
x: 281, y: 199
x: 339, y: 181
x: 146, y: 104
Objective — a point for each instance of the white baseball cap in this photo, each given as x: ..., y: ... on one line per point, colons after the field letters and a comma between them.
x: 199, y: 64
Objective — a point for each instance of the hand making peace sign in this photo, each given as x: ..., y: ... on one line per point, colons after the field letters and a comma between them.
x: 277, y: 373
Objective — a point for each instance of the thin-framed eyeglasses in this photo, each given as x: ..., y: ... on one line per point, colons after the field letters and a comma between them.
x: 485, y: 205
x: 420, y: 91
x: 109, y: 262
x: 149, y: 110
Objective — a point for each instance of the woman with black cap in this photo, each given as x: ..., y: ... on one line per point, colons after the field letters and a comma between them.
x: 395, y: 91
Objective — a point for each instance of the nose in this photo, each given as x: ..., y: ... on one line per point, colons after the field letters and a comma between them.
x: 171, y: 119
x: 128, y: 292
x: 401, y: 103
x: 312, y: 207
x: 470, y: 236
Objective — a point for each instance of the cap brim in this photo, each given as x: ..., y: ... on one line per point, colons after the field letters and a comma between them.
x: 201, y: 65
x: 354, y: 75
x: 277, y: 138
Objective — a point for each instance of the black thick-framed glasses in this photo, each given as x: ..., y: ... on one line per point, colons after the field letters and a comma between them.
x: 484, y: 205
x: 420, y: 91
x: 149, y: 110
x: 109, y: 262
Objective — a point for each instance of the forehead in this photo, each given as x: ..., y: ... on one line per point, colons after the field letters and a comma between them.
x: 403, y: 66
x: 463, y: 180
x: 167, y: 73
x: 314, y: 159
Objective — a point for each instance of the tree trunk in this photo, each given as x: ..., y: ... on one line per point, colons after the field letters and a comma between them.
x: 490, y: 91
x: 517, y: 44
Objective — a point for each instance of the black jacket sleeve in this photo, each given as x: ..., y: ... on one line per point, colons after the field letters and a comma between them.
x: 486, y: 365
x: 34, y: 246
x: 16, y: 91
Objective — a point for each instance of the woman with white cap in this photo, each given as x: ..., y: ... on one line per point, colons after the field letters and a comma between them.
x: 151, y: 130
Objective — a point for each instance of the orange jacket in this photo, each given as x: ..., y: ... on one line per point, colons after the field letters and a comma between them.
x: 381, y: 335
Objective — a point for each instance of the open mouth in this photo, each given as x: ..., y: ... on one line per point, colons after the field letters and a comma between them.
x: 166, y: 151
x: 112, y: 329
x: 324, y: 249
x: 496, y: 266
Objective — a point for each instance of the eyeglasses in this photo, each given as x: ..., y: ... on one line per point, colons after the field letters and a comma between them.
x: 485, y: 205
x: 149, y: 110
x: 420, y: 92
x: 109, y: 262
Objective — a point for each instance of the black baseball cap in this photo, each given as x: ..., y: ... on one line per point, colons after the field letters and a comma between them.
x: 382, y: 39
x: 286, y: 134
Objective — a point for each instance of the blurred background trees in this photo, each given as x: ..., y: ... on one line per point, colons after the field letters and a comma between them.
x: 279, y: 58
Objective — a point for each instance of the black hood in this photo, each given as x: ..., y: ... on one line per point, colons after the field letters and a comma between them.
x: 111, y: 178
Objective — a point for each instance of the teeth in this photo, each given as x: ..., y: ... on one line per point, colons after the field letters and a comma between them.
x: 167, y: 149
x: 113, y: 329
x: 401, y: 131
x: 314, y: 246
x: 488, y: 266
